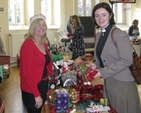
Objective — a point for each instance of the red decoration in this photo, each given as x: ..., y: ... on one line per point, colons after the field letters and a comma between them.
x: 90, y: 75
x: 89, y: 92
x: 68, y: 35
x: 80, y: 81
x: 122, y: 1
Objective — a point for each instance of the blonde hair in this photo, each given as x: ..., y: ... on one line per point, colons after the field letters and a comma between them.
x: 33, y: 26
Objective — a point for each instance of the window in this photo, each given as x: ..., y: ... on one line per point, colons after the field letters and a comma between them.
x: 84, y: 7
x: 46, y: 9
x: 15, y: 11
x: 51, y: 9
x: 118, y: 12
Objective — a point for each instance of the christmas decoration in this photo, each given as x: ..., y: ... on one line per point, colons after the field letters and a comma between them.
x: 61, y: 102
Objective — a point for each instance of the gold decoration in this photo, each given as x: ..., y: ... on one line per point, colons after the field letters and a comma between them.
x: 73, y: 98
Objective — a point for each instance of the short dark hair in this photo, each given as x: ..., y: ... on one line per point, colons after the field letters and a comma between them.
x: 107, y: 7
x: 135, y: 21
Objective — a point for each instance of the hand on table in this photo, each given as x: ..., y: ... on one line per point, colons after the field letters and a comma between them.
x: 98, y: 75
x: 92, y: 65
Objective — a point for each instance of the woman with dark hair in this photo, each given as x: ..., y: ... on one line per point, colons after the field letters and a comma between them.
x: 77, y: 45
x: 113, y: 56
x: 134, y: 30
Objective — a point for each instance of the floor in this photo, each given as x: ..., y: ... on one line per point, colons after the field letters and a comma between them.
x: 10, y: 91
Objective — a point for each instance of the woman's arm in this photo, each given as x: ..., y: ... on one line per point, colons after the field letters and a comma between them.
x: 130, y: 31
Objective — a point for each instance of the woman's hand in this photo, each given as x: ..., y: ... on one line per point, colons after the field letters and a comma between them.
x: 98, y: 75
x: 72, y: 28
x: 38, y: 102
x: 92, y: 65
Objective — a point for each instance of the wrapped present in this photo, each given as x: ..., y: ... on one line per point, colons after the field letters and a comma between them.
x: 87, y: 72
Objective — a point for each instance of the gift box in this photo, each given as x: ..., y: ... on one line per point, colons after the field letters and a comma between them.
x: 87, y: 72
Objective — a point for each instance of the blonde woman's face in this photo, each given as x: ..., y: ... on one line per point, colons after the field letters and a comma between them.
x: 41, y: 28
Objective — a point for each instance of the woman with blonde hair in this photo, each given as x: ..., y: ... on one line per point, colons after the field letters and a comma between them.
x: 35, y: 65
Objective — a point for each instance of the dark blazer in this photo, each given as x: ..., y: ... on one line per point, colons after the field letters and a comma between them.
x: 116, y: 59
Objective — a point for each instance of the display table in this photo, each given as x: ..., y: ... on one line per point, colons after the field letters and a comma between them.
x: 52, y: 110
x: 2, y: 106
x: 137, y: 47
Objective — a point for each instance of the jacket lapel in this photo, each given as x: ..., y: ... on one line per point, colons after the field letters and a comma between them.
x: 109, y: 39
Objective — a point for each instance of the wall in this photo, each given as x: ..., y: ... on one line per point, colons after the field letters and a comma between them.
x: 4, y: 23
x: 67, y: 8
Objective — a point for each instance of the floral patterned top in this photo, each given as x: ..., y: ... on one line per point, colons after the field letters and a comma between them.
x: 77, y: 45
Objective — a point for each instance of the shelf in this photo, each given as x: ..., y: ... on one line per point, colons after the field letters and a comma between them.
x: 89, y: 49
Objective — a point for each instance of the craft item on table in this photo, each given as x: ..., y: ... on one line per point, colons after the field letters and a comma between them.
x: 78, y: 60
x: 52, y: 83
x: 54, y: 49
x: 61, y: 49
x: 67, y: 66
x: 79, y: 77
x: 56, y: 57
x: 80, y: 90
x: 69, y: 78
x: 96, y: 108
x: 104, y: 101
x: 87, y: 71
x: 54, y: 79
x: 62, y: 101
x: 89, y: 92
x: 64, y: 68
x: 73, y: 95
x: 51, y: 96
x: 63, y: 35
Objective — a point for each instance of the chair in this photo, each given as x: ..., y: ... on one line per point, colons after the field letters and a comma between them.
x: 18, y: 60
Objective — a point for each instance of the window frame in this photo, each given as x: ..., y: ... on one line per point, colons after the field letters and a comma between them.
x: 120, y: 20
x: 84, y: 8
x: 15, y: 12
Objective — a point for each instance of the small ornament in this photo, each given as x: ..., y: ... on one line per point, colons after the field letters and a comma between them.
x: 73, y: 98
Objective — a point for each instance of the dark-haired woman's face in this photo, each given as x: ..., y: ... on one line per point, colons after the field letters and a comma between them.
x: 102, y: 17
